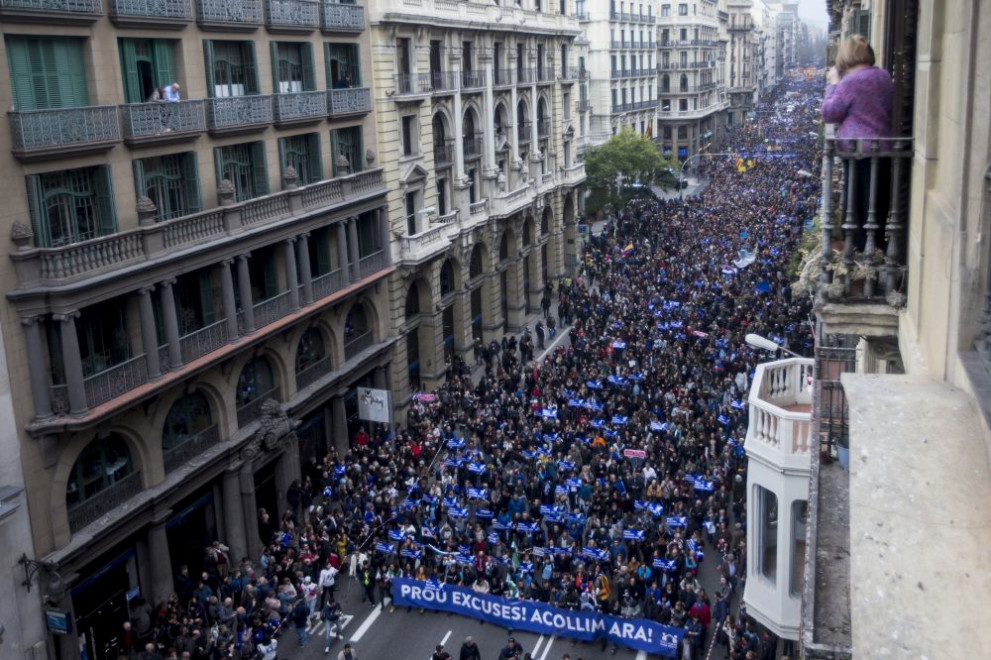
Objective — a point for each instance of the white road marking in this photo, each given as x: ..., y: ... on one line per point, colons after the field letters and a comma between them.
x: 316, y: 626
x: 536, y: 647
x: 547, y: 649
x: 642, y: 655
x: 446, y: 637
x: 366, y: 624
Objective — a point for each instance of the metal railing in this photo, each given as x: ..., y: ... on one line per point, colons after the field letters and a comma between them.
x: 526, y: 76
x: 545, y: 74
x: 100, y: 504
x: 295, y: 14
x: 328, y: 283
x: 167, y: 9
x: 472, y: 145
x: 372, y: 263
x: 116, y: 380
x: 414, y: 83
x: 300, y: 106
x: 314, y: 372
x: 93, y: 8
x: 337, y: 17
x: 190, y: 447
x: 503, y: 77
x: 272, y: 309
x: 472, y: 79
x: 44, y: 130
x: 349, y: 101
x: 206, y: 340
x: 225, y: 12
x: 252, y: 410
x: 143, y: 120
x: 356, y: 345
x: 235, y: 112
x: 444, y: 153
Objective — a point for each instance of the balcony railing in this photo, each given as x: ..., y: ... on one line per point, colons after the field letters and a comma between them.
x: 357, y: 344
x: 781, y: 409
x: 543, y: 127
x: 523, y: 131
x: 100, y: 504
x: 37, y: 134
x: 241, y: 16
x: 69, y: 11
x: 190, y: 447
x: 372, y: 263
x: 545, y: 75
x: 150, y: 13
x: 414, y: 83
x: 203, y: 341
x: 677, y: 66
x: 300, y: 107
x: 328, y: 283
x: 349, y: 101
x: 479, y: 207
x: 152, y: 122
x: 424, y: 245
x: 252, y: 410
x: 337, y: 17
x: 503, y: 77
x: 292, y: 15
x: 472, y: 79
x: 444, y: 153
x: 526, y: 76
x: 116, y: 380
x: 864, y: 231
x: 472, y: 145
x: 312, y: 373
x: 443, y: 81
x: 274, y: 308
x: 237, y: 114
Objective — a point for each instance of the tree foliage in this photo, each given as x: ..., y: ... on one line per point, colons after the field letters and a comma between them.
x: 626, y: 158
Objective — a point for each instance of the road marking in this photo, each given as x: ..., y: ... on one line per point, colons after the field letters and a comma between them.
x: 642, y: 655
x: 366, y: 624
x: 446, y: 637
x: 316, y: 626
x: 547, y: 649
x: 536, y: 647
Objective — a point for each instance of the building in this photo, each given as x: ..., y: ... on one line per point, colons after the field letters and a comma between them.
x: 622, y: 68
x: 691, y: 90
x: 477, y: 111
x: 195, y: 288
x: 902, y: 376
x: 743, y: 68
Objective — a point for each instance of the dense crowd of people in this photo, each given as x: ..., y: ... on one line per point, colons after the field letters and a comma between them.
x: 598, y: 478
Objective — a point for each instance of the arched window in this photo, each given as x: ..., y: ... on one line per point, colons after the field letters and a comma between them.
x: 476, y: 264
x: 665, y: 83
x: 255, y: 385
x: 446, y: 278
x: 188, y: 430
x: 312, y: 360
x: 101, y: 479
x: 357, y: 332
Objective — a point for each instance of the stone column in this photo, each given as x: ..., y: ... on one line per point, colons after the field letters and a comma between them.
x: 161, y: 562
x: 246, y: 479
x: 228, y: 300
x: 534, y: 140
x: 289, y: 256
x: 341, y: 441
x: 382, y: 217
x: 514, y: 140
x: 72, y: 363
x: 40, y: 391
x: 149, y: 339
x: 303, y: 255
x: 170, y: 319
x: 244, y: 289
x: 489, y: 119
x: 459, y: 135
x: 235, y: 536
x: 353, y: 249
x: 342, y: 251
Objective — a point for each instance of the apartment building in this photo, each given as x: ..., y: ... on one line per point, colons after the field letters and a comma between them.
x: 198, y: 277
x: 691, y: 93
x: 477, y: 110
x: 742, y: 66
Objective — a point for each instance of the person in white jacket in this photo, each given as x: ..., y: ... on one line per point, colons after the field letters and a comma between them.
x: 268, y: 648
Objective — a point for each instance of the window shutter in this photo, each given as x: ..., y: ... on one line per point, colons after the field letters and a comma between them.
x: 129, y: 68
x: 139, y: 178
x: 211, y: 90
x: 70, y: 73
x: 21, y: 77
x: 163, y: 50
x: 206, y: 298
x: 282, y: 159
x: 335, y: 150
x: 259, y: 173
x: 313, y: 154
x: 191, y: 182
x: 357, y: 150
x: 218, y: 161
x: 104, y: 187
x: 39, y: 219
x: 250, y: 68
x: 309, y: 72
x: 274, y: 49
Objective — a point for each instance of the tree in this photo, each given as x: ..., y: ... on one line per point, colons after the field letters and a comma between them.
x: 626, y: 158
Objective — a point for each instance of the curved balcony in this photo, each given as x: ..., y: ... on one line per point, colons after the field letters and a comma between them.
x: 349, y: 101
x: 300, y: 108
x: 63, y: 12
x: 58, y: 133
x: 781, y: 412
x: 227, y: 16
x: 239, y: 114
x: 293, y: 16
x: 156, y: 123
x: 153, y: 14
x: 337, y: 17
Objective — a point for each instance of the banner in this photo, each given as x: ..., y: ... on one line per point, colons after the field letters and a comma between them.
x: 540, y: 618
x: 374, y: 406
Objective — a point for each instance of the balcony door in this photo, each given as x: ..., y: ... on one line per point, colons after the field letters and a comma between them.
x: 46, y: 72
x: 147, y: 65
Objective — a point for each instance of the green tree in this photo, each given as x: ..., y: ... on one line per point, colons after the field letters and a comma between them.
x: 626, y: 158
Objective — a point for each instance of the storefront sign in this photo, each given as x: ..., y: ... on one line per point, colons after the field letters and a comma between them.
x: 57, y: 621
x: 374, y: 405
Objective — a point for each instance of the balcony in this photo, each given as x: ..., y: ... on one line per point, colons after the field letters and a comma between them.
x: 574, y: 175
x: 349, y: 101
x: 227, y: 16
x: 543, y: 127
x: 865, y: 233
x: 153, y: 14
x: 472, y: 80
x: 61, y: 12
x: 115, y: 380
x: 523, y: 132
x: 353, y: 346
x: 583, y: 75
x: 503, y: 77
x: 686, y: 66
x: 337, y: 17
x: 444, y: 154
x: 372, y: 263
x: 545, y: 75
x: 272, y: 309
x: 190, y: 447
x: 420, y: 248
x: 505, y: 204
x: 526, y: 76
x: 300, y: 108
x: 239, y: 114
x: 584, y: 105
x: 204, y: 341
x: 292, y: 16
x: 472, y: 146
x: 478, y: 209
x: 329, y: 283
x: 252, y: 410
x: 443, y: 82
x: 42, y: 134
x: 414, y: 84
x: 780, y: 412
x: 697, y: 113
x: 147, y: 124
x: 113, y: 496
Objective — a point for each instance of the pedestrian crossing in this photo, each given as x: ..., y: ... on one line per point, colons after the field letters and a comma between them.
x: 317, y: 626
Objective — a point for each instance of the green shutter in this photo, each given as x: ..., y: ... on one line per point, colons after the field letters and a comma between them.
x: 259, y: 173
x: 208, y: 66
x: 218, y: 162
x: 70, y: 73
x: 39, y: 220
x: 191, y: 182
x: 206, y: 298
x: 163, y: 50
x: 139, y: 177
x: 46, y: 73
x: 129, y: 69
x: 21, y: 78
x: 357, y: 150
x: 282, y: 159
x: 309, y: 72
x: 313, y: 154
x: 104, y: 188
x: 327, y: 69
x: 250, y: 68
x: 274, y: 49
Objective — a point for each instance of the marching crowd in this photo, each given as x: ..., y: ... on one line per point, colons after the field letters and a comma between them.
x: 598, y: 478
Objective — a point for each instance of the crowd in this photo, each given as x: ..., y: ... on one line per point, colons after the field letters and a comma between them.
x: 598, y: 478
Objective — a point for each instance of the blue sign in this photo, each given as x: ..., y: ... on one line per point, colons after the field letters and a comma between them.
x: 637, y: 634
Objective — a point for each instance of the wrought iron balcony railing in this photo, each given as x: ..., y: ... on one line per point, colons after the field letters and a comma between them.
x: 55, y: 11
x: 338, y: 17
x: 472, y: 79
x: 240, y: 16
x: 300, y: 107
x: 155, y: 122
x: 502, y: 77
x: 349, y: 101
x: 167, y: 14
x: 38, y: 134
x: 292, y: 15
x: 236, y: 114
x: 105, y: 501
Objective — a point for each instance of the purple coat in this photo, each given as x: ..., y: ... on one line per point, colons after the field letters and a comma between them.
x: 861, y: 104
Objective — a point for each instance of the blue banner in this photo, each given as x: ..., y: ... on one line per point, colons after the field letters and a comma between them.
x: 638, y: 634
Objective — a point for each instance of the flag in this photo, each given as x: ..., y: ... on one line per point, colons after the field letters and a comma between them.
x: 619, y: 345
x: 463, y: 558
x: 595, y: 553
x: 737, y: 404
x: 702, y: 485
x: 620, y: 420
x: 565, y: 465
x: 455, y: 444
x: 658, y: 426
x: 633, y: 534
x: 540, y: 552
x: 397, y: 534
x: 628, y: 250
x: 665, y: 564
x: 411, y: 554
x: 699, y: 333
x: 484, y: 513
x: 549, y: 413
x: 527, y: 528
x: 384, y: 548
x: 476, y: 468
x: 493, y: 537
x: 676, y: 521
x: 428, y: 532
x: 457, y: 512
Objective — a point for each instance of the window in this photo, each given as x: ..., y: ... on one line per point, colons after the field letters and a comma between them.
x: 682, y: 10
x: 103, y: 336
x: 147, y: 65
x: 69, y: 206
x: 302, y: 153
x: 101, y: 464
x: 347, y: 150
x: 292, y: 67
x: 682, y: 132
x: 46, y: 72
x: 564, y: 61
x: 187, y: 418
x: 310, y: 350
x: 767, y: 534
x: 411, y: 140
x: 412, y: 206
x: 404, y: 60
x: 343, y: 65
x: 196, y: 301
x: 255, y: 382
x: 230, y: 68
x: 413, y: 358
x: 244, y: 166
x: 566, y: 102
x: 171, y: 182
x: 665, y: 10
x: 799, y: 523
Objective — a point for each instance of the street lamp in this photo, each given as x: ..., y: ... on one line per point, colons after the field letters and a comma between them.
x: 765, y: 344
x: 56, y: 589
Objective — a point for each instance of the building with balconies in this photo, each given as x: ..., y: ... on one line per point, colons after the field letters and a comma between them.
x: 900, y: 481
x: 622, y: 67
x: 478, y: 125
x: 741, y: 65
x: 691, y: 90
x: 200, y: 284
